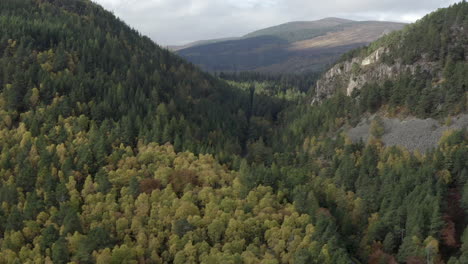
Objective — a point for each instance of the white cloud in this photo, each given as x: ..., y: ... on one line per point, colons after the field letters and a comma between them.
x: 182, y: 21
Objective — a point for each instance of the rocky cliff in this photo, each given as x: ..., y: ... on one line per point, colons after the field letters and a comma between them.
x: 353, y: 74
x: 425, y: 46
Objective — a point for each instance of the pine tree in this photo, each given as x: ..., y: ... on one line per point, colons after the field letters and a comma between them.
x: 101, y: 178
x: 60, y: 253
x: 15, y: 220
x: 71, y: 222
x: 49, y: 235
x: 134, y: 187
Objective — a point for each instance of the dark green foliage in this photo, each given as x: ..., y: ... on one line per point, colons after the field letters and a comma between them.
x: 2, y: 220
x: 435, y: 48
x: 98, y: 238
x: 75, y: 168
x: 49, y: 235
x: 122, y: 88
x: 305, y: 200
x: 8, y: 194
x: 347, y: 172
x: 84, y: 251
x: 14, y: 220
x: 465, y: 196
x: 389, y: 243
x: 278, y: 82
x: 134, y: 186
x: 71, y: 223
x: 61, y: 193
x: 103, y: 182
x: 34, y: 205
x: 303, y: 257
x: 181, y: 227
x: 464, y: 249
x: 60, y: 253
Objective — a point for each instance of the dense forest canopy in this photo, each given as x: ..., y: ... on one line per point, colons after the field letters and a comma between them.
x: 113, y: 150
x: 431, y: 56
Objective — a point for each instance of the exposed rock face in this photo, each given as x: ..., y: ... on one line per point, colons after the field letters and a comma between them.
x: 355, y: 73
x: 374, y: 57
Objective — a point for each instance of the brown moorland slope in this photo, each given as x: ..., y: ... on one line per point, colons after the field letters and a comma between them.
x: 292, y: 47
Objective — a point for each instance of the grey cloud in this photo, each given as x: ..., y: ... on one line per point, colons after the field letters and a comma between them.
x: 181, y: 21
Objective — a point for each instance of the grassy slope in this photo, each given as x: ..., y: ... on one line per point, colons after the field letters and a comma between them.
x: 291, y: 47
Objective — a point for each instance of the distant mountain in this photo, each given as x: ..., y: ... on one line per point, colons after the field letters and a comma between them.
x: 198, y: 43
x: 420, y: 70
x: 293, y: 47
x: 106, y: 143
x: 300, y: 30
x: 287, y: 31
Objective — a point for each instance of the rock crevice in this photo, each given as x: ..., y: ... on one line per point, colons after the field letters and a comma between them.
x: 355, y: 73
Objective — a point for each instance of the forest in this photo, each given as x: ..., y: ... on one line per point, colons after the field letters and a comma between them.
x: 115, y: 150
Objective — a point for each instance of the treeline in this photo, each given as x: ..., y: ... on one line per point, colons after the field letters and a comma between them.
x: 144, y: 205
x: 85, y: 62
x: 388, y: 205
x: 437, y: 36
x: 69, y: 201
x: 105, y: 143
x: 436, y: 84
x: 300, y: 82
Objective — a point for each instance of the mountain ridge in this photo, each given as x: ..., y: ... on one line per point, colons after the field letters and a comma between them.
x: 285, y: 42
x: 113, y: 150
x: 299, y: 25
x: 252, y: 34
x: 416, y: 51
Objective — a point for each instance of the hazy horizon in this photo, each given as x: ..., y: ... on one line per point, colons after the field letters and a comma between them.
x: 178, y: 22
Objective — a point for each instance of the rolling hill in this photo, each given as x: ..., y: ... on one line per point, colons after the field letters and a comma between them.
x: 288, y: 48
x: 113, y: 150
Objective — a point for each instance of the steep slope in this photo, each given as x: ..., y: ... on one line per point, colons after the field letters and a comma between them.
x: 416, y: 203
x: 88, y: 63
x: 426, y: 60
x: 97, y: 132
x: 292, y: 47
x: 413, y: 74
x: 84, y: 102
x: 81, y: 97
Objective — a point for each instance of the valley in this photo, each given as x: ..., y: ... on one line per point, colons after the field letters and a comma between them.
x: 346, y: 141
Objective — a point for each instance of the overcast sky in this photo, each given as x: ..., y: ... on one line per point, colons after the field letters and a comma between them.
x: 175, y: 22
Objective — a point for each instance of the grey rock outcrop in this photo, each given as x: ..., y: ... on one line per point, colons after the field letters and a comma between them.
x: 355, y: 73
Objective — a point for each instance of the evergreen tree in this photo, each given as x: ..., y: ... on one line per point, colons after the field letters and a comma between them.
x: 60, y: 253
